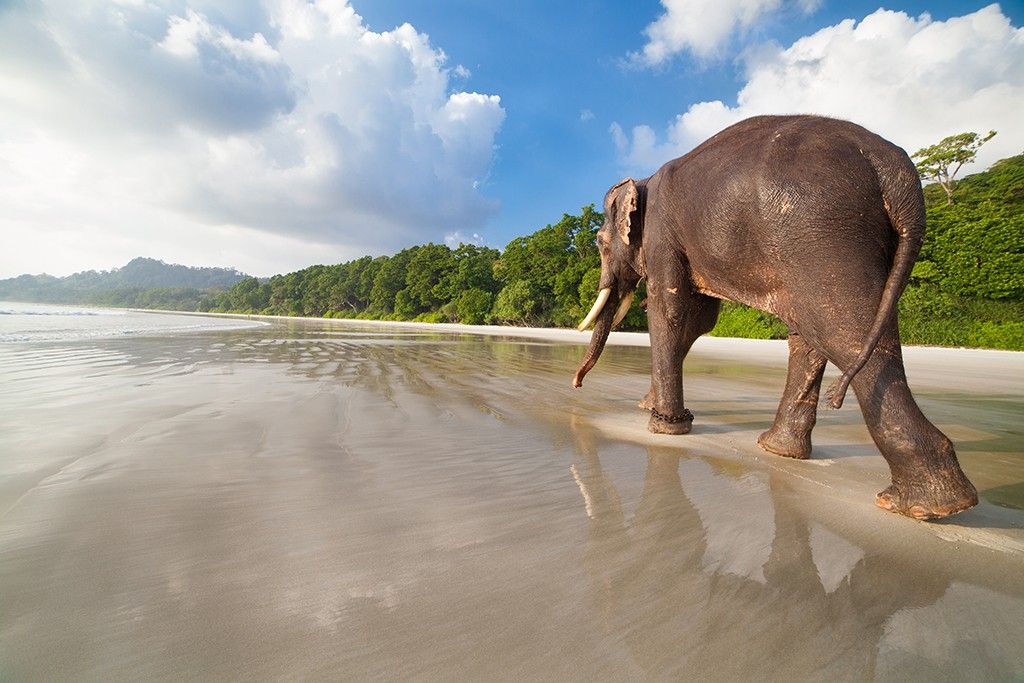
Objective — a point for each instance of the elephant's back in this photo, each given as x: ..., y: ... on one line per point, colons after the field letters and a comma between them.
x: 798, y: 133
x: 769, y: 200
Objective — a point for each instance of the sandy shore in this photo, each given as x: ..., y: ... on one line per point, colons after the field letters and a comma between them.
x: 337, y: 499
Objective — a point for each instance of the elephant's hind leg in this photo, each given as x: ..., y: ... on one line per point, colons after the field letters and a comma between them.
x: 790, y: 435
x: 927, y: 481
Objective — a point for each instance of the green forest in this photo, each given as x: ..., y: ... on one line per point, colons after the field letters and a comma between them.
x: 967, y: 288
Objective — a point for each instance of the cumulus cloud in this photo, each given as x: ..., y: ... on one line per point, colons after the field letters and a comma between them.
x: 701, y: 27
x: 912, y: 80
x: 454, y: 239
x: 214, y: 119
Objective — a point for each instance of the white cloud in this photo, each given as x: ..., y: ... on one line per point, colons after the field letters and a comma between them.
x: 586, y: 115
x: 454, y: 239
x: 701, y: 27
x: 912, y: 80
x: 187, y: 35
x: 808, y: 6
x: 140, y: 123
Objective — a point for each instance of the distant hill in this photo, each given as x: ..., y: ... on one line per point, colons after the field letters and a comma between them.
x: 138, y: 274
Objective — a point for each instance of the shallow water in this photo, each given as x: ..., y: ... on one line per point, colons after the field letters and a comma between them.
x: 315, y: 500
x: 28, y: 323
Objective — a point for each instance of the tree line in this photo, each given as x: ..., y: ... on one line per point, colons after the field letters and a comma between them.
x: 548, y: 278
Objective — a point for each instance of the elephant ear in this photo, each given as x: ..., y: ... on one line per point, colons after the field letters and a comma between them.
x: 627, y: 205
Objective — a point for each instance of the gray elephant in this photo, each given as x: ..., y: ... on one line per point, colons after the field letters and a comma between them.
x: 815, y: 220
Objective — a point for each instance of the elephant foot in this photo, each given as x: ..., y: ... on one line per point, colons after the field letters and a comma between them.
x: 922, y: 501
x: 661, y: 423
x: 785, y: 443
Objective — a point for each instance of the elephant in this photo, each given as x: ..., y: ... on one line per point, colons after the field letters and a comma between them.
x: 815, y: 220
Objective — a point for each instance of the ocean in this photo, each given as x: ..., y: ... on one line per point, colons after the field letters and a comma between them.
x: 22, y: 322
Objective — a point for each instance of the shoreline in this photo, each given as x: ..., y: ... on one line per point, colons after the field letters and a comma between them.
x: 721, y: 346
x: 560, y: 334
x: 996, y: 370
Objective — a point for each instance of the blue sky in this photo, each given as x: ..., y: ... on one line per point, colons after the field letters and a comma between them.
x: 271, y: 136
x: 550, y: 61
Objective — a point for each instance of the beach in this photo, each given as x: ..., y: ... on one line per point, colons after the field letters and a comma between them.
x: 352, y: 500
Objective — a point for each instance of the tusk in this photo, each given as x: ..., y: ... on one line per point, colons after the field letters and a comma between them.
x: 624, y: 305
x: 602, y: 297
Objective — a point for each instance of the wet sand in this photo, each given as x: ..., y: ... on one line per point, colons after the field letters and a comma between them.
x: 335, y: 500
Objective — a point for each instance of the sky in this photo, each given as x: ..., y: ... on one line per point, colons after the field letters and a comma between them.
x: 270, y: 136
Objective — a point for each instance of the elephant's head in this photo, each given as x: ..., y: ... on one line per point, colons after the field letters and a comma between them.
x: 619, y: 242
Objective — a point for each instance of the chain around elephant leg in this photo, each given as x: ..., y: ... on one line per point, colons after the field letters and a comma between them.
x: 660, y: 423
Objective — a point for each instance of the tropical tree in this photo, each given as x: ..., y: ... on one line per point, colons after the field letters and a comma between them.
x: 249, y: 295
x: 516, y: 303
x: 942, y: 161
x: 472, y: 306
x: 474, y: 269
x: 551, y: 261
x: 424, y: 274
x: 389, y: 281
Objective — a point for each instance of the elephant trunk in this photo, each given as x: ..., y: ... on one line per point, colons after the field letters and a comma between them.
x: 605, y: 322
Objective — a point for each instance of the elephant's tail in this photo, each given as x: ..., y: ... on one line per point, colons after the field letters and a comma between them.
x: 904, y: 204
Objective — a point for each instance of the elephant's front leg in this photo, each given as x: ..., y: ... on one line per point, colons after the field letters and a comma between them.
x: 677, y: 316
x: 668, y: 416
x: 647, y: 402
x: 791, y: 434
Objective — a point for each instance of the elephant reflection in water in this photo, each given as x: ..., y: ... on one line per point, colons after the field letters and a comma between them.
x: 692, y: 593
